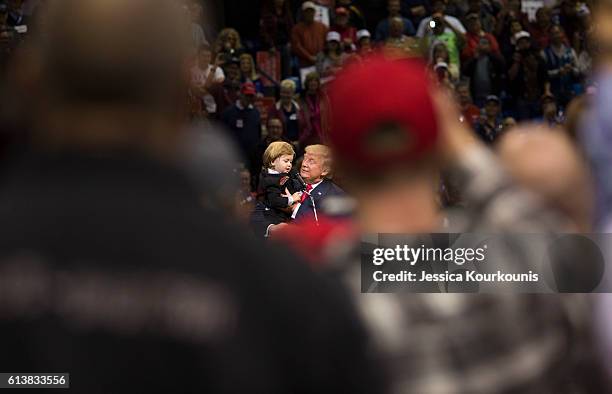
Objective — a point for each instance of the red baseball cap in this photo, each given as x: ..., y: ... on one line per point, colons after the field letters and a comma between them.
x: 382, y: 113
x: 248, y: 89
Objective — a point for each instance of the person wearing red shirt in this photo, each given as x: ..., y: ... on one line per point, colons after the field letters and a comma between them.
x: 308, y: 36
x: 470, y: 114
x: 474, y: 35
x: 540, y: 30
x: 347, y: 32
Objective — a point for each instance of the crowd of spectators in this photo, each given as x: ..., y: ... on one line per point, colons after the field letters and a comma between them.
x: 506, y: 62
x: 121, y: 252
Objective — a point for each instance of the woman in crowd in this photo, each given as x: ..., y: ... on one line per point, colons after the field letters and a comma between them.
x: 228, y: 42
x: 439, y: 54
x: 249, y: 73
x: 314, y: 109
x: 288, y: 111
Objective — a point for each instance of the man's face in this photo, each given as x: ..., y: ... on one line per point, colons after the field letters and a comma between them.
x: 543, y: 17
x: 312, y: 168
x: 247, y: 99
x: 309, y: 15
x: 556, y: 35
x: 463, y: 93
x: 396, y: 29
x: 275, y: 129
x: 232, y: 71
x: 342, y: 20
x: 492, y: 109
x: 393, y: 6
x: 474, y: 26
x: 438, y: 7
x: 523, y: 44
x: 365, y: 44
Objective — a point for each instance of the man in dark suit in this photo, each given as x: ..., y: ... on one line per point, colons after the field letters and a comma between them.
x: 316, y: 169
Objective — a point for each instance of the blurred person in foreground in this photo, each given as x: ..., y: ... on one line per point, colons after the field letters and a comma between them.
x: 110, y: 268
x: 532, y: 153
x: 391, y: 149
x: 595, y: 134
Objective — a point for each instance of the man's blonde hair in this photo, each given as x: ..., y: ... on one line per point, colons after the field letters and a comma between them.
x: 324, y: 153
x: 276, y: 150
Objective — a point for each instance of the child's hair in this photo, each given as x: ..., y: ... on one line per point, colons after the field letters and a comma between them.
x: 276, y: 150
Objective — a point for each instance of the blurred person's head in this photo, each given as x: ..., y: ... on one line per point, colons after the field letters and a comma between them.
x: 394, y: 7
x: 231, y: 69
x: 204, y: 56
x: 515, y: 27
x: 309, y: 10
x: 228, y: 40
x: 279, y: 157
x: 317, y: 164
x: 463, y: 94
x: 509, y: 123
x: 569, y: 7
x: 438, y: 6
x: 100, y: 82
x: 544, y: 17
x: 3, y: 14
x: 332, y: 43
x: 247, y: 66
x: 533, y: 153
x: 342, y: 17
x: 275, y: 129
x: 523, y: 41
x: 248, y: 93
x: 196, y: 11
x: 15, y: 5
x: 440, y: 53
x: 492, y: 107
x: 474, y: 6
x: 287, y: 91
x: 396, y: 27
x: 514, y: 6
x: 312, y: 83
x: 473, y: 24
x: 557, y: 35
x: 385, y: 146
x: 364, y: 40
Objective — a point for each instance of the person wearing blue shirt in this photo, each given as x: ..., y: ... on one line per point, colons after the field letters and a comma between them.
x: 384, y: 26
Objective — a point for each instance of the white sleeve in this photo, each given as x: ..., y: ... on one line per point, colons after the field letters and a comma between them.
x: 422, y: 27
x: 457, y: 25
x: 219, y: 75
